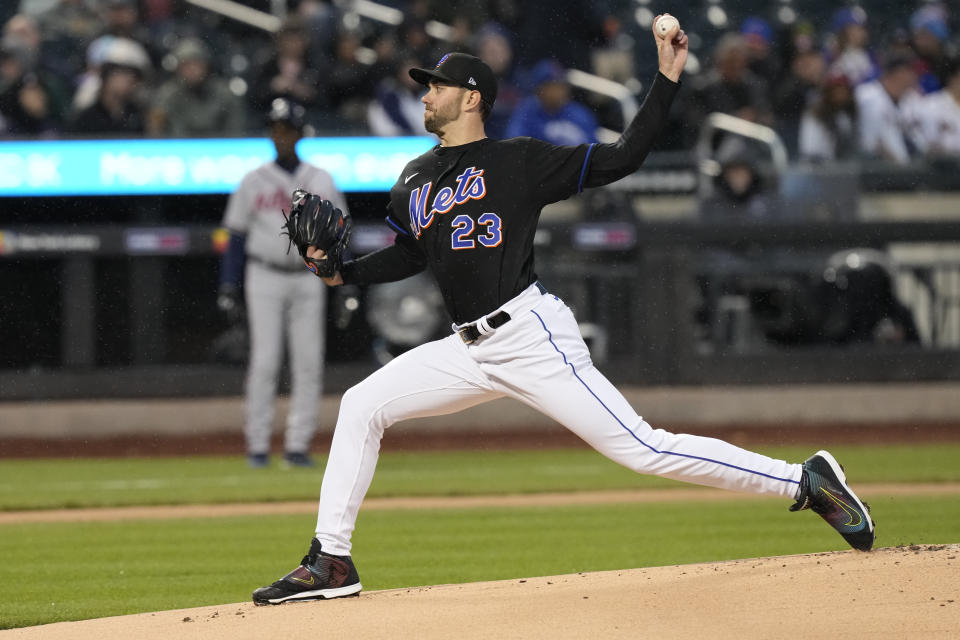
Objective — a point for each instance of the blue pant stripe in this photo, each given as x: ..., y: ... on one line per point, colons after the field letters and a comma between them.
x: 635, y: 436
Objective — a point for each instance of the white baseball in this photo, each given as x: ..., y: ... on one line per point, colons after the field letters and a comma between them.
x: 665, y: 24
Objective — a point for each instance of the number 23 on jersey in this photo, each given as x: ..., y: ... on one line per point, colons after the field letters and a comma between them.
x: 488, y: 232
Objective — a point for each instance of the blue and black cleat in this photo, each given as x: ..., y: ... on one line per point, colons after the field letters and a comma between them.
x: 823, y: 488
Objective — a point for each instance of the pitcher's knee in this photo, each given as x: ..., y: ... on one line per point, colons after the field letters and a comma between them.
x: 360, y: 406
x: 353, y: 403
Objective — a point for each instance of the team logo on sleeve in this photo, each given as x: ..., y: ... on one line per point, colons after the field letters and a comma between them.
x: 470, y: 186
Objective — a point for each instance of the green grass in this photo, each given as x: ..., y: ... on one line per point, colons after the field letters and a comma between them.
x: 46, y: 484
x: 69, y: 571
x: 72, y: 570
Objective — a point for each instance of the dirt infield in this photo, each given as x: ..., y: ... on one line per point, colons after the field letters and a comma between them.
x: 888, y: 593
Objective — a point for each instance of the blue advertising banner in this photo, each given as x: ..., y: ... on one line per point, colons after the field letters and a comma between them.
x: 195, y: 166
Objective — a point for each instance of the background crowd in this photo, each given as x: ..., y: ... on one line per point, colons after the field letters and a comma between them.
x: 836, y: 81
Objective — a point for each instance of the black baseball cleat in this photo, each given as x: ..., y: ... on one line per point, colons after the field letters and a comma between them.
x: 823, y: 488
x: 320, y: 576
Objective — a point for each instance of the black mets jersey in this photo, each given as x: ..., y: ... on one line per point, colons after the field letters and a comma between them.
x: 468, y: 213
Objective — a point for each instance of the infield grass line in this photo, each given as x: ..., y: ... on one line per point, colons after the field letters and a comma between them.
x: 681, y: 493
x: 108, y: 482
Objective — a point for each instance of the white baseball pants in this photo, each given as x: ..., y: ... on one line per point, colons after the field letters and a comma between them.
x: 292, y: 305
x: 539, y: 358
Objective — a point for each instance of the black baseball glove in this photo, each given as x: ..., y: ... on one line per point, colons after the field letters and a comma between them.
x: 316, y: 222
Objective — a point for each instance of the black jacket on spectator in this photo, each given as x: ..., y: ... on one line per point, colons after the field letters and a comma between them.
x: 22, y: 121
x: 96, y: 119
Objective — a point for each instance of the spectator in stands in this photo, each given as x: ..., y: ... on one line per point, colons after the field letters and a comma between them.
x: 413, y: 37
x: 388, y: 53
x: 476, y: 14
x: 158, y: 12
x: 740, y: 192
x: 492, y: 45
x: 119, y: 51
x: 802, y: 36
x: 615, y: 57
x: 69, y: 27
x: 795, y: 93
x: 758, y: 36
x: 321, y: 19
x: 396, y: 109
x: 929, y: 36
x: 31, y: 101
x: 288, y: 72
x: 848, y: 52
x: 458, y: 38
x: 349, y: 83
x: 828, y: 130
x: 888, y: 112
x: 940, y: 115
x: 729, y: 87
x: 118, y: 108
x: 24, y: 30
x: 122, y: 20
x: 551, y: 114
x: 195, y: 102
x: 164, y: 23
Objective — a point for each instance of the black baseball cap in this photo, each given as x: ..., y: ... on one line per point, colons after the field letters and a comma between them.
x: 461, y: 70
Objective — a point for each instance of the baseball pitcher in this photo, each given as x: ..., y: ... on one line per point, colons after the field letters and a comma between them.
x: 466, y: 211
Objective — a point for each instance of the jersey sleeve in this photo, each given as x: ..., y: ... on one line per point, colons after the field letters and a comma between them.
x: 557, y: 173
x: 394, y: 222
x: 400, y: 260
x: 233, y: 260
x: 610, y: 162
x: 239, y: 210
x: 554, y: 173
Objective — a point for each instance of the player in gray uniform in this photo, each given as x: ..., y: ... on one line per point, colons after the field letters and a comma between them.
x: 466, y: 211
x: 282, y: 298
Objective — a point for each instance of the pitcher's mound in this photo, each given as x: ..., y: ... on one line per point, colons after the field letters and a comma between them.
x: 889, y: 593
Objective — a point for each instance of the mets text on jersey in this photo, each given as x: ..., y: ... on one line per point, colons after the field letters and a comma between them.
x: 470, y: 186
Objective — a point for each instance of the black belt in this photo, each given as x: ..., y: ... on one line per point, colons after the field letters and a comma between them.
x: 273, y: 266
x: 470, y: 333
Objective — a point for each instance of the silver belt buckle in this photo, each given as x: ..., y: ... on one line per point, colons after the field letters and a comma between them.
x: 466, y: 340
